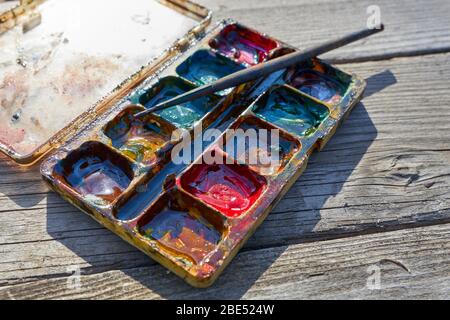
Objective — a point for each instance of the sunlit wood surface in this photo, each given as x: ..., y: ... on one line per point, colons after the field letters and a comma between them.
x: 376, y: 199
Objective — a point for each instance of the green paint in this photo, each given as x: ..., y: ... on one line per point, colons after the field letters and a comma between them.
x: 291, y: 111
x: 182, y: 116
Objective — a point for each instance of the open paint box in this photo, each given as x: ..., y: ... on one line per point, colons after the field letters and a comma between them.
x: 75, y: 72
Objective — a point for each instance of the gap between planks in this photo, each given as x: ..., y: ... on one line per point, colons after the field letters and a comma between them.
x: 368, y: 68
x: 410, y: 262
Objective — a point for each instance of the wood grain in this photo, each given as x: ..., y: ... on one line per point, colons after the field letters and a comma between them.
x: 412, y: 27
x: 413, y: 263
x: 377, y: 194
x: 386, y: 169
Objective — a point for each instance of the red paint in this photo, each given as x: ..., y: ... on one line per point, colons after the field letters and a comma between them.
x: 231, y: 189
x: 245, y: 45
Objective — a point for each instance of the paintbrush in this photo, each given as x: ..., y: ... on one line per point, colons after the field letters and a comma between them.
x: 261, y: 70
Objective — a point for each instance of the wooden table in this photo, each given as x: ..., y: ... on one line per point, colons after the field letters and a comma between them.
x: 375, y: 204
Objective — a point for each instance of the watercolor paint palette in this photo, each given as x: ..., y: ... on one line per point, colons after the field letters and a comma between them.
x: 64, y: 62
x: 194, y: 216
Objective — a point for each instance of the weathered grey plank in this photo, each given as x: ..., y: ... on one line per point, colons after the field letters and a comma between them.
x: 413, y: 263
x: 413, y: 27
x: 387, y: 168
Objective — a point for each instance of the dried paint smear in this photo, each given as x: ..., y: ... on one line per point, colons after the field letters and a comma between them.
x: 178, y: 230
x: 137, y: 139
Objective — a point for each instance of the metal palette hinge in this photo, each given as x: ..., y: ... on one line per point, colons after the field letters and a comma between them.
x: 22, y: 13
x: 193, y: 36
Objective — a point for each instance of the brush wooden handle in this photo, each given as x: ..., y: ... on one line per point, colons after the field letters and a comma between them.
x: 263, y: 69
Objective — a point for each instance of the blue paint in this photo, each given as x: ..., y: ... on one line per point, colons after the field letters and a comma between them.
x: 205, y: 67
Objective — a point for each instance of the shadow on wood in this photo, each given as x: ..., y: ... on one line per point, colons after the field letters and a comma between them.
x: 22, y: 185
x: 379, y: 81
x: 103, y: 251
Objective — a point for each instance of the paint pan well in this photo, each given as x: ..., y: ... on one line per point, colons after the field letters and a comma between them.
x: 182, y: 116
x: 138, y: 139
x: 243, y: 45
x: 183, y: 227
x: 319, y: 81
x: 205, y: 67
x: 95, y: 172
x: 232, y: 189
x: 291, y: 111
x: 262, y: 147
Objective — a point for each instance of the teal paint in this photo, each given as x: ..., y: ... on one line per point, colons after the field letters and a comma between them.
x: 182, y: 116
x: 205, y: 67
x: 289, y: 110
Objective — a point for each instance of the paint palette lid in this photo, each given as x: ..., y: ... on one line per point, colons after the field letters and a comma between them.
x: 64, y: 62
